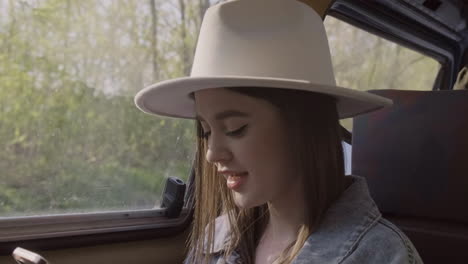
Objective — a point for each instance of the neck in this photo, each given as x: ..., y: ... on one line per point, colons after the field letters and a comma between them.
x: 286, y: 215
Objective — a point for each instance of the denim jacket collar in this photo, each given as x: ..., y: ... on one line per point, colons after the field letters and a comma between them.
x: 344, y: 223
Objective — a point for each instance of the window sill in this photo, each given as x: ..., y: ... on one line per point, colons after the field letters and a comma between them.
x: 76, y: 230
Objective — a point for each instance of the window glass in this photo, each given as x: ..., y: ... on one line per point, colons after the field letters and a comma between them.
x: 71, y: 138
x: 364, y: 61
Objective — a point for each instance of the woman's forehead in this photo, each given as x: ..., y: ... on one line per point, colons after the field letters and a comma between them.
x: 217, y: 103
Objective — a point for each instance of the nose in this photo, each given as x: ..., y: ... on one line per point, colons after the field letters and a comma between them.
x: 217, y: 153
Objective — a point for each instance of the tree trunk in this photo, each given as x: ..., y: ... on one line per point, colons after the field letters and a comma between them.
x: 393, y: 81
x: 183, y: 32
x: 12, y: 28
x: 66, y: 37
x: 376, y: 49
x: 154, y: 39
x: 203, y: 6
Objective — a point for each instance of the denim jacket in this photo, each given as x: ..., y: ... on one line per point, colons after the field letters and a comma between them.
x: 351, y: 232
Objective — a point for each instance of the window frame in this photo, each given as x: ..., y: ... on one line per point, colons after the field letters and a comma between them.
x: 76, y: 230
x: 51, y: 232
x: 415, y: 32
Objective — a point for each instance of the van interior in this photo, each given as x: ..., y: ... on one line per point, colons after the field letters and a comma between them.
x: 414, y: 154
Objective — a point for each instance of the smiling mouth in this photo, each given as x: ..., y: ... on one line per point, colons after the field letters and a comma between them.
x: 235, y: 181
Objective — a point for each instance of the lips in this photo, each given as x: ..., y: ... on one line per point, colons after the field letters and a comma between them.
x: 234, y: 180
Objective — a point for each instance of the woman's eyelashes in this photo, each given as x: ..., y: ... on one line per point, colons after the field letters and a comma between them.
x: 233, y: 133
x: 238, y: 132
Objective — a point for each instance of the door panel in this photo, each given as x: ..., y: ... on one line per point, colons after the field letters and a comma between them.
x: 164, y: 250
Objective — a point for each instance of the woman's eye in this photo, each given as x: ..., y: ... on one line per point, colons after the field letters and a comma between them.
x: 237, y: 132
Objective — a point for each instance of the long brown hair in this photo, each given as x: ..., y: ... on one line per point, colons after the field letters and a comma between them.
x: 315, y: 138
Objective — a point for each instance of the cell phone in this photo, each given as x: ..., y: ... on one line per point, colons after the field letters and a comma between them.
x: 24, y: 256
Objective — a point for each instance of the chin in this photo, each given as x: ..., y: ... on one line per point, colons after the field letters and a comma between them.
x: 245, y: 202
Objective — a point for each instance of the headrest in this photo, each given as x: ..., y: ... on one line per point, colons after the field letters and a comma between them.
x: 415, y: 154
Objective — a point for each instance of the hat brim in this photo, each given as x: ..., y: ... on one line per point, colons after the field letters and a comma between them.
x: 172, y: 98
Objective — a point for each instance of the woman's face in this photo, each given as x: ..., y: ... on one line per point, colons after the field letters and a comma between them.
x: 247, y: 142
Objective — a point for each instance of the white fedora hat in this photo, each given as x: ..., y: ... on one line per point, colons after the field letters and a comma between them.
x: 258, y: 43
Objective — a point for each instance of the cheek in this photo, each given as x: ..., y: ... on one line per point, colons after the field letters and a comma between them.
x: 264, y: 156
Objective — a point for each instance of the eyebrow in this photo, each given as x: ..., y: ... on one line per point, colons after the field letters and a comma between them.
x: 226, y: 114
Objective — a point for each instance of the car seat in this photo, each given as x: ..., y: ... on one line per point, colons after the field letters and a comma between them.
x: 414, y: 156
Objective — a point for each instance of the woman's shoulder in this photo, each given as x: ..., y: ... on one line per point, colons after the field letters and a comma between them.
x: 378, y: 241
x: 353, y: 231
x: 384, y: 243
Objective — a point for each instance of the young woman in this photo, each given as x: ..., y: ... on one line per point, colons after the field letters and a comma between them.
x: 270, y: 184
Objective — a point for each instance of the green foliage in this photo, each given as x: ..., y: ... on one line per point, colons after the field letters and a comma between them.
x: 71, y: 137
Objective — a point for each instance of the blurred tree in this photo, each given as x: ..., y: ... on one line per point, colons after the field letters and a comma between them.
x: 154, y: 38
x: 71, y: 138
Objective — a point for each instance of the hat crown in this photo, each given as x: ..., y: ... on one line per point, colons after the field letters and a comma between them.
x: 258, y: 43
x: 263, y: 38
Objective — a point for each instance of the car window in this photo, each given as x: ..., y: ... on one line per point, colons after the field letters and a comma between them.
x: 364, y: 61
x: 71, y: 138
